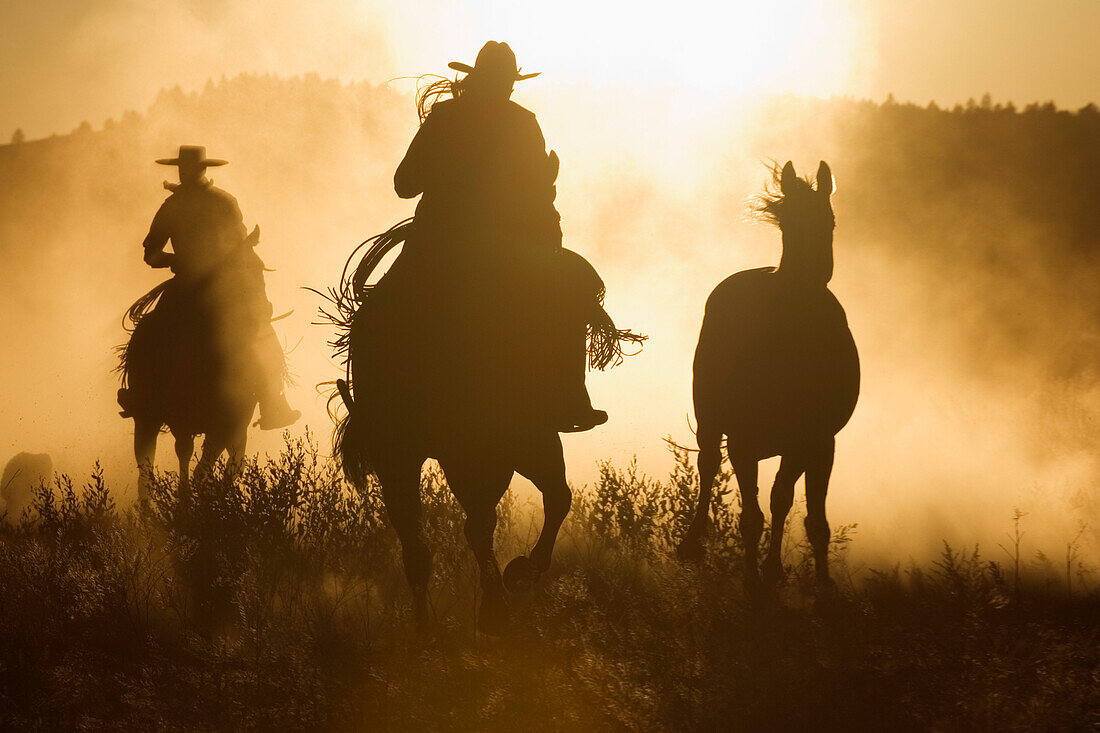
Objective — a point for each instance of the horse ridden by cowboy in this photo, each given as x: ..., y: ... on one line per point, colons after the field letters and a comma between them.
x: 215, y: 299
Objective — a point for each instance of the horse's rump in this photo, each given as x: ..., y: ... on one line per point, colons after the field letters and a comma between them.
x: 186, y: 356
x: 440, y: 341
x: 448, y: 343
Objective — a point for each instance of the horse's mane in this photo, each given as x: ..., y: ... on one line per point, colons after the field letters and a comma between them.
x: 773, y: 206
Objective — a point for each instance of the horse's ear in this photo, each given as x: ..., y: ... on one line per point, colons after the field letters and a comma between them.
x: 787, y: 178
x: 824, y: 179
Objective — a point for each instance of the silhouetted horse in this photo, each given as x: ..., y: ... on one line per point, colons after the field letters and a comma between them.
x: 473, y: 348
x: 776, y: 373
x: 186, y: 368
x: 448, y: 398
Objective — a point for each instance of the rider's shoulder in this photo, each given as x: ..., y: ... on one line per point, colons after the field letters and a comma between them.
x: 218, y: 197
x: 524, y: 122
x: 518, y: 108
x: 444, y: 108
x: 459, y: 105
x: 219, y: 193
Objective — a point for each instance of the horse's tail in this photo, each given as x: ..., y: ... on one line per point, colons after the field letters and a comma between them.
x: 348, y: 441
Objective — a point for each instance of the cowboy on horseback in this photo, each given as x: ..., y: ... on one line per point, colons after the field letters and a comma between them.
x: 472, y: 348
x: 487, y: 239
x: 216, y: 271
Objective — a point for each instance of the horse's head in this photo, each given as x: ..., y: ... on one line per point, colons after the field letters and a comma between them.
x: 804, y: 214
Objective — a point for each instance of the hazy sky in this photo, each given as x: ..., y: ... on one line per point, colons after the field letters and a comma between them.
x: 649, y: 100
x: 64, y: 61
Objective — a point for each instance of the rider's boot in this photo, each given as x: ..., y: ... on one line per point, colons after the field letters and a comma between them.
x: 275, y: 413
x: 579, y: 415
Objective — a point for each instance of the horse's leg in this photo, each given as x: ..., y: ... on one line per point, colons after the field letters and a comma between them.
x: 400, y: 481
x: 782, y: 496
x: 235, y: 450
x: 230, y: 441
x: 478, y: 488
x: 145, y: 450
x: 819, y: 466
x: 710, y: 462
x: 543, y: 463
x: 213, y: 445
x: 185, y: 448
x: 752, y: 519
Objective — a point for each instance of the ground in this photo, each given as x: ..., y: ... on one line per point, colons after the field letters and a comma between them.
x: 278, y: 603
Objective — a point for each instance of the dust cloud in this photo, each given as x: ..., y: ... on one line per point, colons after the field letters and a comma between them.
x: 965, y: 260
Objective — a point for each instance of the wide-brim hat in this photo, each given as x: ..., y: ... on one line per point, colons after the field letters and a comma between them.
x: 192, y: 155
x: 494, y: 59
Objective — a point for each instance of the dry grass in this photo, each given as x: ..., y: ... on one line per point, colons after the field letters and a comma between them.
x: 278, y: 602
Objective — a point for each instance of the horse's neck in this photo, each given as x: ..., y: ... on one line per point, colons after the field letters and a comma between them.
x: 805, y: 262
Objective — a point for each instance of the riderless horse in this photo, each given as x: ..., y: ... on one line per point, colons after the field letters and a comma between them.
x: 776, y: 373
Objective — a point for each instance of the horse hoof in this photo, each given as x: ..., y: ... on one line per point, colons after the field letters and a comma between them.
x: 772, y: 576
x: 421, y: 617
x: 754, y: 587
x: 493, y: 617
x: 690, y: 550
x: 827, y: 597
x: 519, y: 575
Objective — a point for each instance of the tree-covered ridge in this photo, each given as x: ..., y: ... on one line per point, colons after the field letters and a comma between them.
x: 1041, y: 161
x: 256, y: 92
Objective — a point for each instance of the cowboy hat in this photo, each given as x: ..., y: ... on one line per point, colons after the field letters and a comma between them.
x: 193, y: 155
x: 494, y: 59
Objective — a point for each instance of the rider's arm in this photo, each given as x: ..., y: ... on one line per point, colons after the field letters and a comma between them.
x: 410, y: 180
x: 235, y: 220
x: 540, y: 172
x: 155, y: 241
